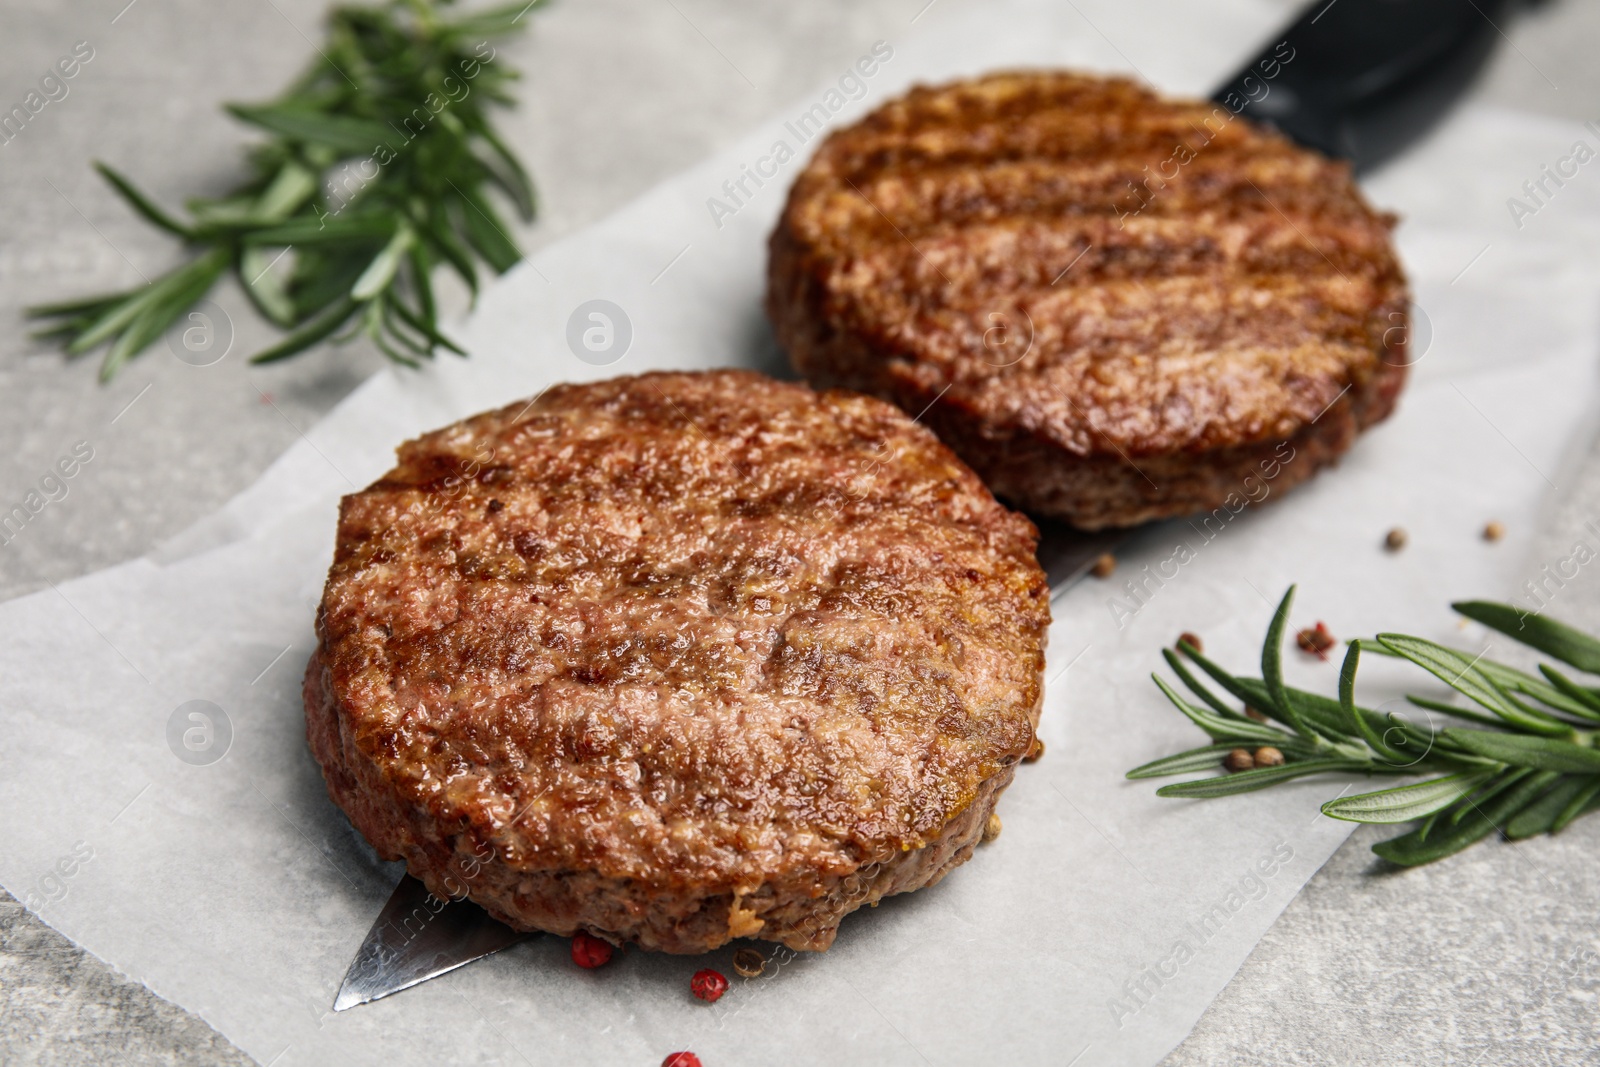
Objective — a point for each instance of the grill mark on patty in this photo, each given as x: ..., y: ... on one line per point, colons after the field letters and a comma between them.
x: 598, y: 653
x: 1247, y: 205
x: 1220, y: 183
x: 1013, y: 195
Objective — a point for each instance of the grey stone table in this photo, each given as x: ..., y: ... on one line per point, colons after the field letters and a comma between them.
x: 1490, y: 958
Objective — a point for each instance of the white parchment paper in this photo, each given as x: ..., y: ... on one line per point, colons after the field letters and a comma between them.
x: 1100, y: 924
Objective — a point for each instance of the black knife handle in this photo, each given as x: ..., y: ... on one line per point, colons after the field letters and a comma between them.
x: 1362, y: 79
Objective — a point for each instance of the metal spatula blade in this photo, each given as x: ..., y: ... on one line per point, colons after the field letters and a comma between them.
x: 416, y: 937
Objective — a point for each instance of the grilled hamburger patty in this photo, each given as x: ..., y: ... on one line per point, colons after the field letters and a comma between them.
x: 1115, y: 307
x: 676, y: 659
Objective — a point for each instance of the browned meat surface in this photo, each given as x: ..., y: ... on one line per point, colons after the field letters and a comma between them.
x: 677, y: 658
x: 1115, y: 307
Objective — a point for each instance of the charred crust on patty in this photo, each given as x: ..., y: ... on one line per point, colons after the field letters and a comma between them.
x: 732, y: 658
x: 1116, y: 307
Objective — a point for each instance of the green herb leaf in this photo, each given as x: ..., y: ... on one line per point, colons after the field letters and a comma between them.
x: 1241, y: 729
x: 374, y: 171
x: 487, y: 234
x: 309, y: 334
x: 267, y: 289
x: 1553, y: 638
x: 181, y: 290
x: 1410, y: 850
x: 109, y: 322
x: 433, y: 336
x: 1327, y: 718
x: 511, y: 177
x: 1581, y: 695
x: 1461, y: 713
x: 339, y: 132
x: 376, y: 278
x: 1246, y: 781
x: 289, y: 191
x: 142, y: 204
x: 325, y: 229
x: 86, y: 305
x: 1540, y: 753
x: 1198, y: 759
x: 1540, y: 816
x: 1463, y: 675
x: 1520, y: 682
x: 1428, y: 824
x: 1584, y: 801
x: 1407, y: 802
x: 1197, y: 687
x: 1229, y: 683
x: 1533, y: 772
x: 1352, y: 714
x: 443, y: 240
x: 1493, y: 788
x: 1272, y: 666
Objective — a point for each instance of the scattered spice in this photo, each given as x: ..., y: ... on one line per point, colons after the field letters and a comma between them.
x: 749, y: 963
x: 1252, y: 713
x: 495, y: 505
x: 1494, y: 531
x: 708, y: 985
x: 991, y: 829
x: 1395, y: 539
x: 589, y: 951
x: 681, y: 1059
x: 1267, y: 756
x: 1192, y: 640
x: 1104, y: 565
x: 1035, y: 752
x: 1239, y: 760
x: 1316, y: 640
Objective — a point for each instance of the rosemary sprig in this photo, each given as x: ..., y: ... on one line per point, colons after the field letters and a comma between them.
x: 376, y: 171
x: 1534, y: 769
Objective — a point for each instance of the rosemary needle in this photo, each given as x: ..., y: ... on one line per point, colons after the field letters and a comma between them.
x: 376, y: 170
x: 1532, y: 771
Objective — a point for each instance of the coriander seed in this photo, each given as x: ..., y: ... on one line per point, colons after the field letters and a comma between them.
x: 991, y: 828
x: 1104, y: 565
x: 1395, y: 540
x: 749, y: 963
x: 1494, y: 531
x: 1239, y: 760
x: 1252, y: 713
x: 1192, y: 640
x: 1267, y: 756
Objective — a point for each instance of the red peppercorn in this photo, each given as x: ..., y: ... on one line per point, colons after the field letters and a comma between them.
x: 708, y: 985
x: 1317, y: 641
x: 681, y: 1059
x: 589, y: 951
